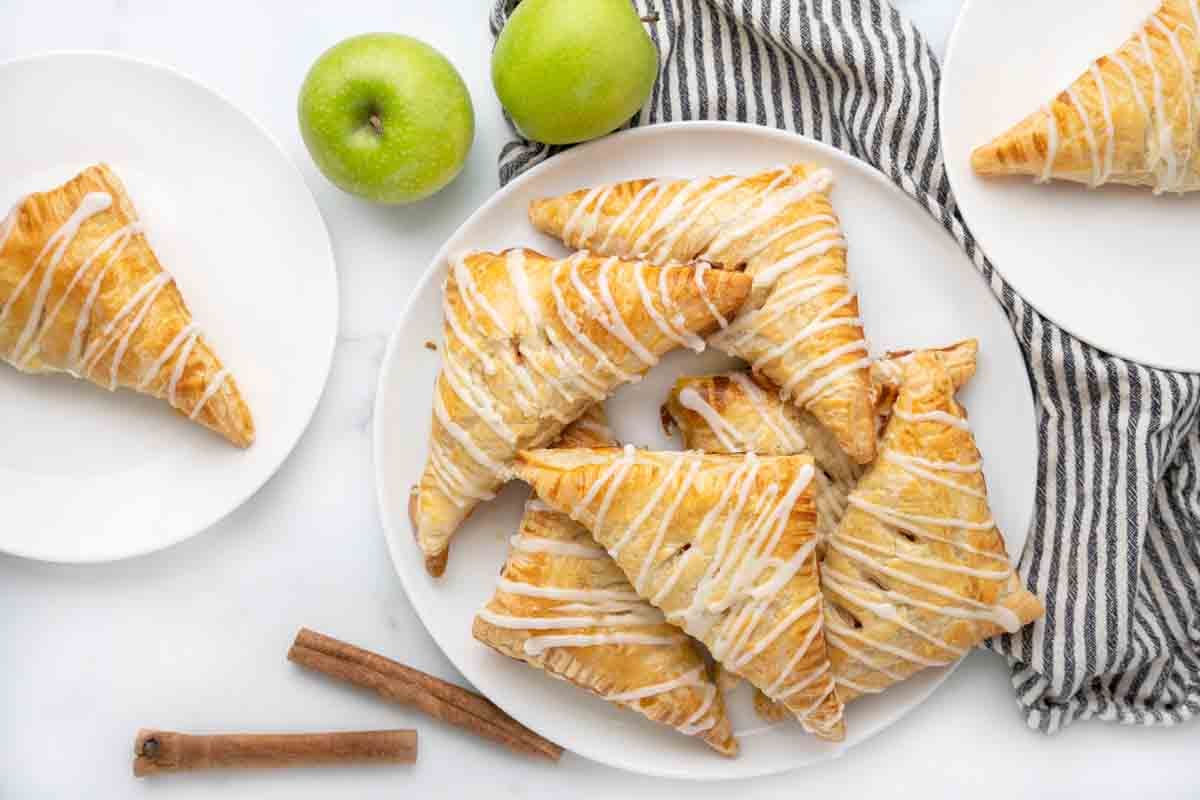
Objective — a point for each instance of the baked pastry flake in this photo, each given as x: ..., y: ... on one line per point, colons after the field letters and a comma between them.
x: 531, y: 342
x: 725, y: 546
x: 564, y: 606
x: 82, y: 292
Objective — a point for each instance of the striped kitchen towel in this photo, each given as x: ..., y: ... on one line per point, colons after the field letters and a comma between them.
x: 1114, y: 549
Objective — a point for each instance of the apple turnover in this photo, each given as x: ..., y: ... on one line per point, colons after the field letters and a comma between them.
x: 725, y: 546
x: 801, y: 327
x: 1130, y: 118
x: 82, y: 292
x: 564, y: 606
x: 530, y: 343
x: 917, y: 573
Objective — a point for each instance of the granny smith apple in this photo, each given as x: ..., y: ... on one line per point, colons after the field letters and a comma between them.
x: 386, y: 117
x: 571, y: 70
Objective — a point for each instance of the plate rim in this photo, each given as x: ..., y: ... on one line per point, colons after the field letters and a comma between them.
x: 252, y: 487
x: 953, y: 44
x: 385, y: 506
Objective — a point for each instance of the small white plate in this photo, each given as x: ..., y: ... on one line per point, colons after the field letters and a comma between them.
x: 917, y: 288
x: 93, y: 476
x: 1116, y: 266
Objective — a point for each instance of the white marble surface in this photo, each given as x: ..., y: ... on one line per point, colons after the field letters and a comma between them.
x: 194, y: 638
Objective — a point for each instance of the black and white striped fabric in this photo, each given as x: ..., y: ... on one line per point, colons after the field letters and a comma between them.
x: 1114, y: 549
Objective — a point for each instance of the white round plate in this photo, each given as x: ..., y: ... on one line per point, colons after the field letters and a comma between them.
x: 916, y: 288
x: 93, y: 476
x: 1116, y: 266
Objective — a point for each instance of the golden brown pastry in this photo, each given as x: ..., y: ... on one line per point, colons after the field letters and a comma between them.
x: 724, y: 545
x: 564, y: 606
x: 530, y: 343
x: 916, y: 573
x: 81, y: 292
x: 1131, y: 118
x: 801, y: 327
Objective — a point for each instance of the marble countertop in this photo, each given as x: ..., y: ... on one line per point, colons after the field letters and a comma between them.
x: 194, y: 638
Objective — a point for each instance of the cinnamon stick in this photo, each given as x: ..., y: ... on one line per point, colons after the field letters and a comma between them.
x: 157, y: 752
x: 407, y: 686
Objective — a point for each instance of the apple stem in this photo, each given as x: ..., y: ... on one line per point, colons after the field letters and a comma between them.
x: 649, y: 18
x: 376, y: 123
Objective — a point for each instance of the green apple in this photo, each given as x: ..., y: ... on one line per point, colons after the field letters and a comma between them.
x: 386, y: 117
x: 571, y: 70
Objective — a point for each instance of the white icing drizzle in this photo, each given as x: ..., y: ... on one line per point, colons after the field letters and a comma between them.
x: 1089, y: 137
x: 632, y: 529
x: 1166, y: 143
x: 778, y: 422
x: 918, y: 467
x: 799, y: 291
x: 732, y: 440
x: 536, y: 645
x: 585, y: 595
x: 770, y: 202
x: 668, y: 214
x: 514, y: 261
x: 477, y: 398
x: 486, y: 462
x: 596, y: 198
x: 624, y: 215
x: 571, y: 322
x: 814, y: 245
x: 612, y: 321
x: 56, y: 247
x: 1051, y: 143
x: 643, y: 575
x: 180, y: 364
x: 974, y: 609
x: 121, y: 238
x: 1189, y: 93
x: 159, y: 283
x: 456, y: 327
x: 681, y: 335
x: 214, y: 385
x: 701, y: 268
x: 931, y: 416
x: 759, y: 245
x: 472, y: 297
x: 662, y: 251
x: 692, y: 678
x: 530, y: 544
x: 141, y: 300
x: 660, y: 188
x: 1110, y: 133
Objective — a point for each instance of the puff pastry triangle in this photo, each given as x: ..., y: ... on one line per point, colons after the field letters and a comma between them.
x: 917, y: 573
x: 564, y: 606
x: 82, y: 292
x: 1131, y: 118
x: 531, y: 342
x: 724, y: 545
x: 801, y: 327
